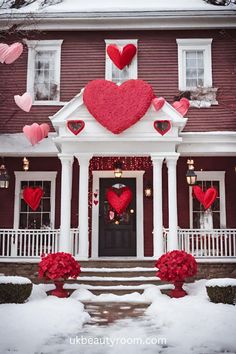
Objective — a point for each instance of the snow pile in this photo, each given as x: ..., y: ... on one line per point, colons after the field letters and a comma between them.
x: 14, y: 280
x: 221, y: 282
x: 37, y: 293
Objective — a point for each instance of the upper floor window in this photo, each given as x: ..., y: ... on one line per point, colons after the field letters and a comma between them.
x: 44, y: 66
x: 129, y: 72
x: 194, y: 61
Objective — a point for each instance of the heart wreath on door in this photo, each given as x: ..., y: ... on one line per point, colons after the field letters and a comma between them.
x: 119, y: 199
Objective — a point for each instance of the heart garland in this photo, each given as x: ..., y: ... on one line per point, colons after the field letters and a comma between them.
x: 119, y: 199
x: 35, y: 132
x: 8, y: 54
x: 75, y: 126
x: 117, y: 107
x: 206, y: 198
x: 162, y: 126
x: 123, y: 57
x: 33, y: 196
x: 24, y: 102
x: 95, y: 196
x: 182, y: 106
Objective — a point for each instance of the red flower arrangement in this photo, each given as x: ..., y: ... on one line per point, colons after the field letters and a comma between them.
x: 58, y: 265
x: 176, y: 266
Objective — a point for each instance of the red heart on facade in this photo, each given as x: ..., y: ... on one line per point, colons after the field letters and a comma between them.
x: 119, y: 199
x: 75, y: 126
x: 95, y: 195
x: 95, y: 202
x: 162, y: 126
x: 123, y: 57
x: 117, y: 107
x: 206, y: 198
x: 33, y: 196
x: 158, y: 103
x: 182, y: 106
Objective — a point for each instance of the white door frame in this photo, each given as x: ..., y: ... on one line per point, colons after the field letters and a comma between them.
x: 139, y: 210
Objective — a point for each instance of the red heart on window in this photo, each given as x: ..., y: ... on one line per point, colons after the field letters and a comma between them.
x: 33, y: 196
x: 162, y: 126
x: 119, y: 199
x: 117, y: 107
x: 123, y: 57
x: 206, y: 198
x: 182, y: 106
x: 75, y: 126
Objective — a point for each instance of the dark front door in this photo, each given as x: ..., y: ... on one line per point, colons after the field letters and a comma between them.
x: 117, y: 232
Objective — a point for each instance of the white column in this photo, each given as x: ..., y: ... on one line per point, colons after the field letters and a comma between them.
x: 66, y: 187
x: 83, y: 160
x: 172, y: 239
x: 158, y: 247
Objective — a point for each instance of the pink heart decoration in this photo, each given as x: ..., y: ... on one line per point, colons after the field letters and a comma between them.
x: 8, y: 54
x: 34, y: 132
x: 182, y: 106
x: 158, y: 103
x: 24, y: 102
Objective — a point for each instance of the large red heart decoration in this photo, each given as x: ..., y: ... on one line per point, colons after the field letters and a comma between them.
x: 33, y: 196
x: 162, y: 126
x: 75, y: 126
x: 123, y: 57
x: 117, y: 107
x: 206, y: 198
x: 119, y: 199
x: 182, y: 106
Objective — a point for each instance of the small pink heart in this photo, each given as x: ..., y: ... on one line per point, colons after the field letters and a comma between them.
x: 95, y: 202
x: 24, y: 101
x: 33, y: 133
x: 158, y: 103
x: 182, y: 106
x: 44, y: 129
x: 13, y: 52
x: 3, y: 50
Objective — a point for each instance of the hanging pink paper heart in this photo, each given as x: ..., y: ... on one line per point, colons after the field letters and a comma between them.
x: 158, y: 103
x: 44, y: 129
x: 24, y: 101
x: 182, y: 106
x: 3, y: 50
x: 12, y: 52
x: 33, y: 133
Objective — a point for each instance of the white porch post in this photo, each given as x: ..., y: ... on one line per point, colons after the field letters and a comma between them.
x: 83, y: 160
x: 66, y: 187
x: 172, y: 239
x: 158, y: 247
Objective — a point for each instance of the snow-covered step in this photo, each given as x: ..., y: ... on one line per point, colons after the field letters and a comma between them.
x: 122, y: 269
x: 126, y: 279
x: 110, y: 280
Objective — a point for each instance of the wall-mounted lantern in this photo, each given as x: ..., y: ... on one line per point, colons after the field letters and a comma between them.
x: 191, y: 176
x: 26, y: 163
x: 118, y: 169
x: 4, y: 176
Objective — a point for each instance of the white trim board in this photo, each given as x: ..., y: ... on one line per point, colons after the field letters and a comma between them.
x: 139, y: 208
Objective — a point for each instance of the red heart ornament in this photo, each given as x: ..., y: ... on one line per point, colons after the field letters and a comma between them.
x: 182, y: 106
x: 119, y: 202
x: 75, y: 126
x: 95, y: 195
x: 162, y: 126
x: 206, y: 198
x: 33, y: 196
x: 117, y: 107
x: 123, y: 57
x: 95, y: 202
x: 158, y: 103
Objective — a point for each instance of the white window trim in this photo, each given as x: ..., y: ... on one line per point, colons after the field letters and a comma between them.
x: 43, y: 45
x: 211, y: 176
x: 194, y: 44
x: 133, y: 67
x: 34, y: 176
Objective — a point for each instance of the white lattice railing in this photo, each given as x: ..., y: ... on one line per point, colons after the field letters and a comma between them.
x: 33, y: 243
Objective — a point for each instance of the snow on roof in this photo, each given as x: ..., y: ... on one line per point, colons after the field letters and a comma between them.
x: 121, y: 6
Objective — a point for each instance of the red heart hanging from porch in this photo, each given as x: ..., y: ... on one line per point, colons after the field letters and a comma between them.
x: 206, y: 198
x: 162, y: 126
x: 117, y: 107
x: 33, y: 196
x: 123, y: 57
x: 119, y: 199
x: 75, y: 126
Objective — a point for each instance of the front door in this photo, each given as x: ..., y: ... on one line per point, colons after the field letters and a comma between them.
x: 117, y: 232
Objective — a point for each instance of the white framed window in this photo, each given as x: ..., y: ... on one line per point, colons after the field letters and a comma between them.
x: 194, y: 63
x: 215, y: 216
x: 44, y: 216
x: 116, y: 75
x: 44, y: 71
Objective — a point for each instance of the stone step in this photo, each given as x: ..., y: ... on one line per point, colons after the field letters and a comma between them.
x: 124, y: 263
x: 115, y: 281
x: 115, y: 274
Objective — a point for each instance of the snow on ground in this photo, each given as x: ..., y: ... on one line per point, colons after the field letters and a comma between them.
x: 191, y: 325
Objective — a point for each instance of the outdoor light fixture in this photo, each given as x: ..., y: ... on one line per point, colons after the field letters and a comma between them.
x: 25, y: 164
x: 118, y: 169
x: 148, y: 191
x: 191, y: 176
x: 4, y: 176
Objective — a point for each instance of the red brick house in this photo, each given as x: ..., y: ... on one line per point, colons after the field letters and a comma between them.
x: 182, y: 51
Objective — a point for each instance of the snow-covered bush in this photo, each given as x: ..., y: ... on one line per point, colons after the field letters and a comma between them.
x: 222, y: 290
x: 14, y: 289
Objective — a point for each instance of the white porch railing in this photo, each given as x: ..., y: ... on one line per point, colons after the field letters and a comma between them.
x: 33, y: 243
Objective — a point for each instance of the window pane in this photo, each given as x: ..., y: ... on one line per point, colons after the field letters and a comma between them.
x: 194, y: 68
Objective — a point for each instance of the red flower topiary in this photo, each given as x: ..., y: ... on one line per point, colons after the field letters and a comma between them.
x: 176, y: 266
x: 58, y: 265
